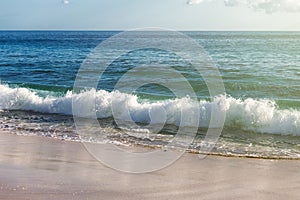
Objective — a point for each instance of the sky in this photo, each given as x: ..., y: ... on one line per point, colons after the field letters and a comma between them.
x: 282, y: 15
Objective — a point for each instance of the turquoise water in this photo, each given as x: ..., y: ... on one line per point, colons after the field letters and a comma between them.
x: 260, y: 70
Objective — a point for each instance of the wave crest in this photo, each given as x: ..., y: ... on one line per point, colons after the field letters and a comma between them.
x: 261, y: 115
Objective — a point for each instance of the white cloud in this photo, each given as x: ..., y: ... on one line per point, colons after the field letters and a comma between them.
x: 66, y: 1
x: 194, y: 1
x: 268, y: 6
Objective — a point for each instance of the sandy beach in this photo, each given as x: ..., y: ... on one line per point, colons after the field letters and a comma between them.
x: 34, y: 167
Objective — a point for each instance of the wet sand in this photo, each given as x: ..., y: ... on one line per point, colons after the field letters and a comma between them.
x: 34, y: 167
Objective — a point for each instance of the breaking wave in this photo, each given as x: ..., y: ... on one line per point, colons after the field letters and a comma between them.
x: 258, y: 115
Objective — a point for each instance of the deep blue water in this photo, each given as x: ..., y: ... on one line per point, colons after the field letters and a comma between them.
x: 41, y: 58
x: 252, y: 64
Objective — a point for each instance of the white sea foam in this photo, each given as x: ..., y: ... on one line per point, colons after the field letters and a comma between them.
x: 252, y: 115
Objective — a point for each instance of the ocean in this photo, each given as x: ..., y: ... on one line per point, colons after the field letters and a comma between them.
x: 260, y: 71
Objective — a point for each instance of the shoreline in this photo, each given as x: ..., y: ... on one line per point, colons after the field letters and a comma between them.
x: 232, y: 143
x: 42, y: 168
x: 188, y: 151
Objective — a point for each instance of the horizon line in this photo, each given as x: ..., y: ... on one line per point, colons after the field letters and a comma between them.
x: 181, y: 30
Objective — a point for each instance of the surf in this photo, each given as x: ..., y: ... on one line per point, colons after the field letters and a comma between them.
x: 257, y: 115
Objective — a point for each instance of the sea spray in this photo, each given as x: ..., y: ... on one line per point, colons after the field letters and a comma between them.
x: 257, y: 115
